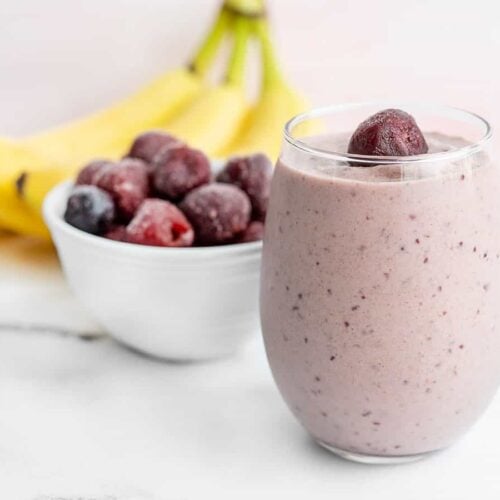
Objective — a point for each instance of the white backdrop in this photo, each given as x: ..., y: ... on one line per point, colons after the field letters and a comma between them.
x: 61, y: 58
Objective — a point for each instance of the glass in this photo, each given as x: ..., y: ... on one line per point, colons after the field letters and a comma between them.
x: 380, y: 285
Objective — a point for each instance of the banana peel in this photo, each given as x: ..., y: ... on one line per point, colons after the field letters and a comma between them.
x: 249, y: 8
x: 277, y: 103
x: 15, y: 157
x: 218, y: 120
x: 263, y: 130
x: 32, y: 186
x: 15, y: 215
x: 27, y: 171
x: 109, y: 133
x: 212, y: 121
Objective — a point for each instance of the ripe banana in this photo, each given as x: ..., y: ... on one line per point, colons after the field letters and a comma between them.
x: 33, y: 185
x: 212, y: 121
x: 215, y: 119
x: 278, y: 102
x: 108, y: 133
x: 249, y: 8
x: 15, y: 157
x: 14, y: 214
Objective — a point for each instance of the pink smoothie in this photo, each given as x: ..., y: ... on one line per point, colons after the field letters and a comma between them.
x: 380, y: 299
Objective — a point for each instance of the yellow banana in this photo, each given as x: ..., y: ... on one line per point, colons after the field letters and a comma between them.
x: 15, y: 157
x: 14, y: 214
x: 278, y: 102
x: 18, y: 218
x: 108, y: 133
x: 249, y: 8
x: 216, y: 121
x: 212, y: 121
x: 33, y: 185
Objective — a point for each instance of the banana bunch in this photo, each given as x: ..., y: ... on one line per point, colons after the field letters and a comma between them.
x: 278, y: 102
x: 214, y: 118
x: 217, y: 118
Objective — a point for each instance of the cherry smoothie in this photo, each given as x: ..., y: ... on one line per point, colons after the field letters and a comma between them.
x: 380, y: 293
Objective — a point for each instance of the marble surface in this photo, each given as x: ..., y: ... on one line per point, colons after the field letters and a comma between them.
x: 82, y: 418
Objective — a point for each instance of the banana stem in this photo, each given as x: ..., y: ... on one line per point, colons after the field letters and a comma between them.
x: 206, y: 53
x: 236, y: 69
x: 271, y: 72
x: 248, y: 8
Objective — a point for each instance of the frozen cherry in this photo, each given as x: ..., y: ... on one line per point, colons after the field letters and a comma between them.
x: 218, y: 213
x: 90, y: 209
x: 117, y: 233
x: 391, y: 132
x: 127, y: 182
x: 147, y: 145
x: 253, y: 175
x: 88, y: 173
x: 160, y: 223
x: 254, y: 232
x: 179, y: 170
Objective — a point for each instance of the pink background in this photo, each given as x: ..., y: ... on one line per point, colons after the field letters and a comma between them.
x: 59, y: 59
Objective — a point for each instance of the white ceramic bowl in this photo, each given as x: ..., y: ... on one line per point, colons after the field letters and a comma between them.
x: 173, y: 303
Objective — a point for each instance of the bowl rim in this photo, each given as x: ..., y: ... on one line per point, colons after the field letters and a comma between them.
x: 52, y: 213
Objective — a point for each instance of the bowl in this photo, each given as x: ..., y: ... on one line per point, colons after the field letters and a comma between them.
x: 173, y: 303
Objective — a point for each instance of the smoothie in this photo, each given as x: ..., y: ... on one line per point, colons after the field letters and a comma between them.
x: 380, y: 297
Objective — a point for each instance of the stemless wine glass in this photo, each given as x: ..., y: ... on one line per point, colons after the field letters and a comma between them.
x: 380, y: 284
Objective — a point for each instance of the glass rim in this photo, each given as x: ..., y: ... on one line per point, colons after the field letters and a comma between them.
x: 385, y: 160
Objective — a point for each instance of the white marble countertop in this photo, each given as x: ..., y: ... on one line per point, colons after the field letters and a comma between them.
x: 87, y: 419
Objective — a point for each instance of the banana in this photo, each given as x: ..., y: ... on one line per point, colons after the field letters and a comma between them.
x: 108, y: 133
x: 214, y: 118
x: 33, y: 185
x: 263, y: 131
x: 15, y: 215
x: 278, y: 102
x: 15, y: 157
x: 249, y: 8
